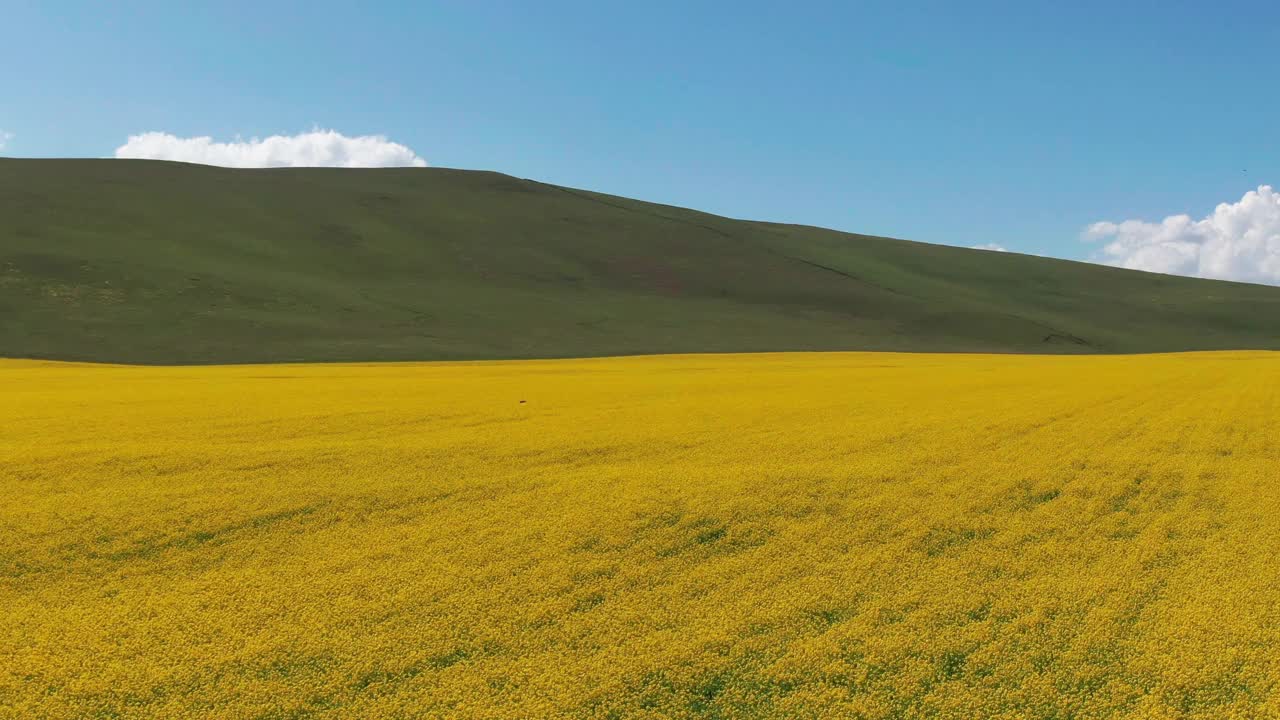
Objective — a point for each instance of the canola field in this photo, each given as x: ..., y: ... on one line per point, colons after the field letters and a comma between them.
x: 838, y: 535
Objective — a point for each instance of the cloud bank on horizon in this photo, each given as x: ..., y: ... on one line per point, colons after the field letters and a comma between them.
x: 1237, y: 241
x: 317, y: 148
x: 5, y: 137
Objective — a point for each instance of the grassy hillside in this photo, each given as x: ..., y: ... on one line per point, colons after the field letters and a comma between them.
x: 154, y: 262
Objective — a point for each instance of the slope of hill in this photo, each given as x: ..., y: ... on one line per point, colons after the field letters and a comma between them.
x: 156, y: 262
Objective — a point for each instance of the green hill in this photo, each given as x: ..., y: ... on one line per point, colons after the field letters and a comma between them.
x: 156, y: 262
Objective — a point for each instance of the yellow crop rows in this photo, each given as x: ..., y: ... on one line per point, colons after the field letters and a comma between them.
x: 790, y: 535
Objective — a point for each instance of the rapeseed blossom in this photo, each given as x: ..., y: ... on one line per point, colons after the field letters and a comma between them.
x: 848, y: 535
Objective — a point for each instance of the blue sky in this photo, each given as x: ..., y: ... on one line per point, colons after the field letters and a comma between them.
x: 1017, y: 123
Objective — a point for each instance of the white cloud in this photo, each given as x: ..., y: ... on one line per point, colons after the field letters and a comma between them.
x: 993, y: 247
x: 1237, y: 241
x: 318, y: 148
x: 5, y: 137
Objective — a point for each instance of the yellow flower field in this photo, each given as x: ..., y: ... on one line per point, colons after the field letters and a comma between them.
x: 780, y: 535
